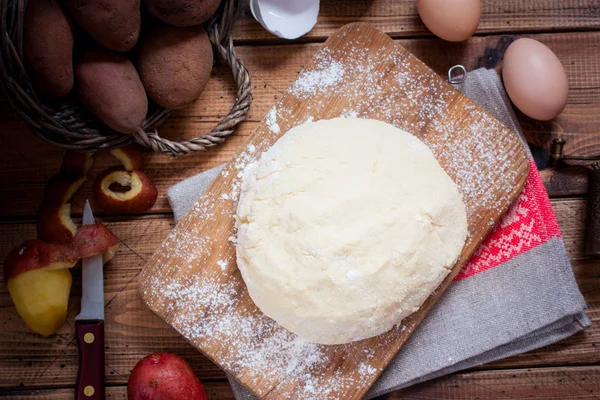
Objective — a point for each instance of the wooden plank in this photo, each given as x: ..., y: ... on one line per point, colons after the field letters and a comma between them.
x: 400, y: 18
x: 375, y: 78
x: 558, y: 383
x: 133, y: 331
x: 570, y: 214
x: 26, y: 163
x: 567, y: 180
x: 215, y: 390
x: 540, y: 383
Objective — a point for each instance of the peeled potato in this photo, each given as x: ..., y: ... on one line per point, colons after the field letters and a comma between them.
x: 41, y: 297
x: 175, y: 64
x: 39, y: 282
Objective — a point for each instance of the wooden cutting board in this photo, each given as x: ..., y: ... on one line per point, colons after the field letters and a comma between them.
x: 192, y: 280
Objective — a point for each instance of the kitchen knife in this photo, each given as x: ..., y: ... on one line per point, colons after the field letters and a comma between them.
x: 89, y: 325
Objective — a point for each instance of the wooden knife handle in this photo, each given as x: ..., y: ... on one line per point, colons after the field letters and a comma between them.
x: 90, y: 378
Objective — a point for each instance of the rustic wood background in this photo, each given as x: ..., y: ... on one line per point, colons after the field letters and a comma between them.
x: 32, y: 367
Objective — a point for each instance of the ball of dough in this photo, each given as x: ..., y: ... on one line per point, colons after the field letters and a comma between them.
x: 345, y: 227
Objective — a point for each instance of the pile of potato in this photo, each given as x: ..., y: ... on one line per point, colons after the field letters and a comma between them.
x: 116, y: 59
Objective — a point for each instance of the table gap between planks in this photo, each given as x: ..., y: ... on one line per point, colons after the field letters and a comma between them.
x: 35, y: 368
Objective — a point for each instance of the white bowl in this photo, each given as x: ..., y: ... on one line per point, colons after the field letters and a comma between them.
x: 288, y: 19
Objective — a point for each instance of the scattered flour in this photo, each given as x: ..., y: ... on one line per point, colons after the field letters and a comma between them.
x: 366, y: 369
x: 272, y: 121
x: 213, y: 310
x: 210, y: 313
x: 327, y: 73
x: 349, y: 113
x: 222, y: 264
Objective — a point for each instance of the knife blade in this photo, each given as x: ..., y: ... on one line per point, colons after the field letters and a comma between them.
x: 89, y: 325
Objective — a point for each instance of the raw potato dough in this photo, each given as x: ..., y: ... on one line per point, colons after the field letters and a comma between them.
x: 345, y: 227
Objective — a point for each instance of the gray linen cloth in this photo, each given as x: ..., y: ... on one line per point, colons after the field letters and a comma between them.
x: 525, y: 303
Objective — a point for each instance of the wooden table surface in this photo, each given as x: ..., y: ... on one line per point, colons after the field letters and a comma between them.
x: 32, y: 367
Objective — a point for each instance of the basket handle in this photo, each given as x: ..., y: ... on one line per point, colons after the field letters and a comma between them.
x: 219, y: 34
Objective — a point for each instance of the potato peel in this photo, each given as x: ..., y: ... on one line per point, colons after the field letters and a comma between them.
x: 36, y: 254
x: 138, y: 198
x: 130, y: 156
x: 94, y: 239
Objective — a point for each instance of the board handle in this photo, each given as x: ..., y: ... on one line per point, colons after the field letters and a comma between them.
x: 90, y: 377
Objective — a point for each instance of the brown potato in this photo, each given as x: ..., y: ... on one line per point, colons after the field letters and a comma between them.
x: 112, y: 23
x: 48, y: 47
x: 183, y: 12
x: 175, y: 64
x: 110, y: 87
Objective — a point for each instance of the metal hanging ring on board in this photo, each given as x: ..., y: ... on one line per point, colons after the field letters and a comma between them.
x: 454, y: 78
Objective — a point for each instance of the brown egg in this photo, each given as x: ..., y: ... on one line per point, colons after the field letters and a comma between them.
x: 452, y: 20
x: 534, y: 79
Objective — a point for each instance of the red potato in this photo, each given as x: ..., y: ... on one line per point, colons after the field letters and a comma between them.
x: 164, y: 376
x: 110, y: 87
x: 48, y: 47
x: 139, y: 196
x: 113, y: 24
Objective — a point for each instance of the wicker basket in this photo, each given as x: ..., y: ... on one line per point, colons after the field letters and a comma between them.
x: 70, y: 126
